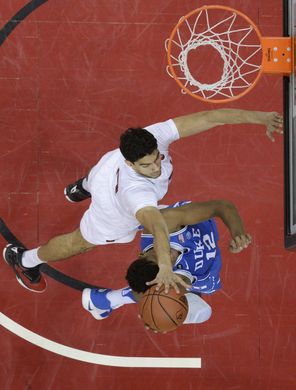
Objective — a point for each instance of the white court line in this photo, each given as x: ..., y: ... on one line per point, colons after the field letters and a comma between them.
x: 96, y: 358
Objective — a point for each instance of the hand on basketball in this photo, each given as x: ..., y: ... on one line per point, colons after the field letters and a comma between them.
x: 167, y: 277
x: 274, y: 123
x: 239, y: 243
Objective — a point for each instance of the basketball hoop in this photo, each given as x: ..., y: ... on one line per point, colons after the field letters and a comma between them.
x: 236, y: 44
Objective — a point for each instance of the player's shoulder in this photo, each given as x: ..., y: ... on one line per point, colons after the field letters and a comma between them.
x: 110, y: 159
x: 205, y: 229
x: 163, y: 130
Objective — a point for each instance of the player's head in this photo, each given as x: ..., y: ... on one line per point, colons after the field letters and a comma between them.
x: 140, y: 271
x: 139, y: 148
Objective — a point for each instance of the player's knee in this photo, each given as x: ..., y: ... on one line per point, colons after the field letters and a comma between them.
x: 78, y: 244
x: 84, y: 249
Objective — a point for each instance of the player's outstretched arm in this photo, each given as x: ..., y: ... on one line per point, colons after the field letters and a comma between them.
x: 195, y: 212
x: 153, y: 221
x: 240, y: 240
x: 201, y: 121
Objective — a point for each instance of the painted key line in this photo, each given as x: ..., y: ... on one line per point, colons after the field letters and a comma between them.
x: 96, y: 358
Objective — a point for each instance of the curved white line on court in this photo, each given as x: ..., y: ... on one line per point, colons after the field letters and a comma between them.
x: 96, y: 358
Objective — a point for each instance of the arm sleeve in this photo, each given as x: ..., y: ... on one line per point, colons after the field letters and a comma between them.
x: 198, y: 310
x: 208, y: 285
x: 165, y: 133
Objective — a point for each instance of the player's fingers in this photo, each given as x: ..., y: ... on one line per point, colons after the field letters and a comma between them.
x: 245, y: 241
x: 249, y: 237
x: 175, y: 286
x: 180, y: 281
x: 276, y: 126
x: 154, y: 281
x: 232, y: 250
x: 183, y: 283
x: 238, y: 242
x: 279, y: 117
x: 279, y: 130
x: 232, y: 244
x: 269, y: 135
x: 166, y: 287
x: 277, y: 122
x: 276, y: 114
x: 242, y: 242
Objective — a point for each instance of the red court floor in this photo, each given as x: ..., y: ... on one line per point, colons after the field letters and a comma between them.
x: 73, y: 76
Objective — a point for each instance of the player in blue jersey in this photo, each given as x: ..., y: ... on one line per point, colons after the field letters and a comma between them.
x: 125, y: 187
x: 195, y: 256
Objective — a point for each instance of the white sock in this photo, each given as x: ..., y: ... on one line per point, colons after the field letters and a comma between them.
x: 123, y: 296
x: 30, y: 258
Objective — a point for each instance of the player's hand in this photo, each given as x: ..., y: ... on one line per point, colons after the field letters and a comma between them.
x: 274, y: 124
x: 239, y: 243
x: 167, y: 277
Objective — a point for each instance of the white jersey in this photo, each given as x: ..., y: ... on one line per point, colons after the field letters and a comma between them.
x: 118, y: 192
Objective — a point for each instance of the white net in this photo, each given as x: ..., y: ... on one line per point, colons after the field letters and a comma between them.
x: 233, y: 39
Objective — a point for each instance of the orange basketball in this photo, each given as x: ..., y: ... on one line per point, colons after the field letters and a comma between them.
x: 163, y: 312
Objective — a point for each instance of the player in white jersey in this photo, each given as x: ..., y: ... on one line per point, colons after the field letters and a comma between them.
x: 119, y: 192
x: 195, y: 255
x: 125, y: 187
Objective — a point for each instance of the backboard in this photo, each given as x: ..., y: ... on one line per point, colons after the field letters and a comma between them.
x: 290, y: 134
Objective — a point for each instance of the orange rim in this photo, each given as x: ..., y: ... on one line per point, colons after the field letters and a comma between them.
x: 169, y: 47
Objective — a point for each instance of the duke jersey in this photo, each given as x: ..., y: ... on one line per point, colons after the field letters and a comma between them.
x: 199, y: 259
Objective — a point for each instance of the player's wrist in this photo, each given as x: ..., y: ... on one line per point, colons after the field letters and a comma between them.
x: 261, y: 117
x: 237, y: 233
x: 165, y: 264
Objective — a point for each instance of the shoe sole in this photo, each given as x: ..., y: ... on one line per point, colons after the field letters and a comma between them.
x: 74, y: 201
x: 85, y: 298
x: 67, y: 197
x: 18, y: 278
x: 85, y: 304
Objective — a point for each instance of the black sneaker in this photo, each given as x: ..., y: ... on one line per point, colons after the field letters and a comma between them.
x: 75, y: 192
x: 30, y: 278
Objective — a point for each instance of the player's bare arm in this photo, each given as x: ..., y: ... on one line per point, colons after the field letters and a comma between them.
x: 153, y: 221
x: 201, y: 121
x: 196, y: 212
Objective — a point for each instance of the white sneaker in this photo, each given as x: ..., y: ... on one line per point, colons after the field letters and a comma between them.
x: 104, y: 309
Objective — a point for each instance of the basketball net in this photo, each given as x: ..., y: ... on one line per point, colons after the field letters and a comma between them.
x: 245, y: 54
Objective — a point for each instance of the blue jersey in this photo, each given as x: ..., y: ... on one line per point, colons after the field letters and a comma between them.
x: 199, y: 259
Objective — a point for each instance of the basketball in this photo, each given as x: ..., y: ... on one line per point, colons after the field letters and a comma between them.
x: 163, y: 312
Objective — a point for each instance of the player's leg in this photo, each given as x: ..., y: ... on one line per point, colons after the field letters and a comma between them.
x: 29, y: 278
x: 64, y: 246
x: 26, y: 263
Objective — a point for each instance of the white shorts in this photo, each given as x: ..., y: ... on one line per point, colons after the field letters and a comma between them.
x: 92, y: 234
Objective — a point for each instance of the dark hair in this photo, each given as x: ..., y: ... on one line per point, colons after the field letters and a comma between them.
x: 139, y: 272
x: 135, y: 143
